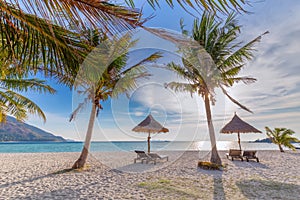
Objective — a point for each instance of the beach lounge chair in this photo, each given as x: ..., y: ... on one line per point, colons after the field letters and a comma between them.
x: 155, y: 157
x: 250, y: 155
x: 234, y: 153
x: 142, y: 156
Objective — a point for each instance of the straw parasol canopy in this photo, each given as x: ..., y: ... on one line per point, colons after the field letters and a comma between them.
x: 237, y: 125
x: 150, y: 125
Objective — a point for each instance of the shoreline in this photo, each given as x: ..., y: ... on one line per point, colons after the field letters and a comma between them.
x: 44, y: 175
x: 44, y: 147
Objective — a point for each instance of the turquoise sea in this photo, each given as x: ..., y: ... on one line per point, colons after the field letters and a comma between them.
x: 36, y: 147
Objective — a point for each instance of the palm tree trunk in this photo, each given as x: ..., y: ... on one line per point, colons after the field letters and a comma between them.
x: 85, y: 151
x: 280, y: 148
x: 215, y: 158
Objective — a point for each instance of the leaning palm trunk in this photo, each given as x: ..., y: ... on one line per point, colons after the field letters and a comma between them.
x: 280, y: 148
x: 215, y: 158
x: 86, y: 148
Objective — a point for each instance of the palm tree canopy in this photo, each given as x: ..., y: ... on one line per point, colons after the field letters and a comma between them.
x: 219, y: 39
x: 105, y: 74
x: 150, y: 125
x: 282, y: 136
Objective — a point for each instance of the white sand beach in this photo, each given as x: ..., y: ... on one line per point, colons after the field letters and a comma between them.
x: 43, y: 176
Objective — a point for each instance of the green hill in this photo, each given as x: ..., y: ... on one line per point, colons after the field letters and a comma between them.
x: 14, y: 130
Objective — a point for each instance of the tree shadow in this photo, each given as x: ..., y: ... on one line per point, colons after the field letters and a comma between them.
x: 293, y: 153
x: 219, y: 192
x: 218, y: 186
x: 250, y: 164
x: 29, y: 180
x: 264, y: 189
x: 24, y: 181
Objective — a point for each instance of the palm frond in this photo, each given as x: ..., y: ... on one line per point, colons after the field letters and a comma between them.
x: 23, y: 85
x: 243, y: 53
x: 182, y: 87
x: 76, y: 111
x: 182, y: 71
x: 32, y: 43
x: 18, y: 105
x: 223, y: 6
x: 230, y: 81
x: 152, y: 58
x: 82, y: 13
x: 235, y: 101
x: 128, y: 82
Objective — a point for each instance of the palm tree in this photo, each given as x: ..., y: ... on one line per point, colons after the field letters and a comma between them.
x: 282, y: 137
x: 228, y: 56
x: 35, y: 30
x: 105, y: 75
x: 15, y: 104
x: 50, y: 31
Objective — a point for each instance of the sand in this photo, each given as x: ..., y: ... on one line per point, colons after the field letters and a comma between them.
x: 113, y: 175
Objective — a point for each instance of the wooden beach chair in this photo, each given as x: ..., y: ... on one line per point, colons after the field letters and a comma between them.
x: 250, y: 155
x: 234, y: 153
x: 142, y: 156
x: 156, y: 157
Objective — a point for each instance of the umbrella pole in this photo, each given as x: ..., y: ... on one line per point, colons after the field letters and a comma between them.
x: 239, y: 141
x: 149, y: 142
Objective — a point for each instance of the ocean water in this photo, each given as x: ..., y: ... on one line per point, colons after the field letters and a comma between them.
x: 37, y: 147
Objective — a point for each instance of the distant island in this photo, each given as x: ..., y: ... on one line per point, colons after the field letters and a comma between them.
x: 266, y: 140
x: 14, y: 130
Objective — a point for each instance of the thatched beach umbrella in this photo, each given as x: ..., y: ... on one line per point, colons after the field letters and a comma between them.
x: 150, y: 125
x: 236, y: 125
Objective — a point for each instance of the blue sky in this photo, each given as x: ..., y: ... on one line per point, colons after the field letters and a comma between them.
x: 274, y: 98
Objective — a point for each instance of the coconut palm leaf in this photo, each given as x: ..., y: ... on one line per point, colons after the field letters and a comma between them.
x: 24, y: 85
x: 17, y: 105
x: 81, y: 13
x: 224, y: 6
x: 243, y: 53
x: 182, y: 87
x: 235, y: 101
x: 34, y: 44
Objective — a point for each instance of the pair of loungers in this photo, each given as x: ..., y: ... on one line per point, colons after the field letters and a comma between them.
x: 148, y: 157
x: 235, y: 153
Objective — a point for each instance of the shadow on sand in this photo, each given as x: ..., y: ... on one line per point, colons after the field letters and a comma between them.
x: 264, y: 189
x: 218, y: 186
x: 250, y: 164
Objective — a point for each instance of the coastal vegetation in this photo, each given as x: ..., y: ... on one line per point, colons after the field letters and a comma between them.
x: 220, y: 40
x: 50, y: 38
x: 282, y: 137
x: 105, y: 75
